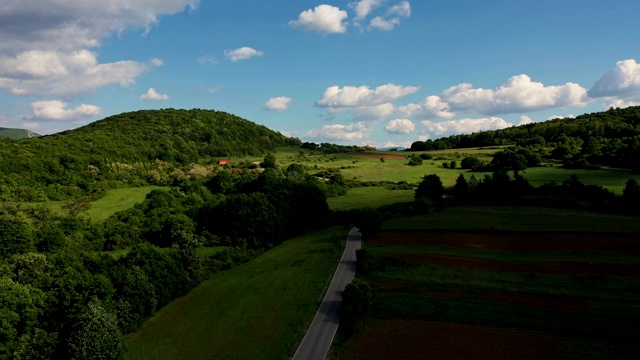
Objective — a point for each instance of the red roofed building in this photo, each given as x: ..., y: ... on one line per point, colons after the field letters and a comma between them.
x: 223, y: 162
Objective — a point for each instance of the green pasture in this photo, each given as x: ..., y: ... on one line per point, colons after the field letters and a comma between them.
x: 613, y: 180
x: 374, y: 197
x: 515, y: 218
x: 117, y: 200
x: 358, y: 167
x: 258, y: 310
x: 114, y: 200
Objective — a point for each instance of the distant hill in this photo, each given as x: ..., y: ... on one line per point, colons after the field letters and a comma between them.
x: 16, y: 133
x: 135, y: 148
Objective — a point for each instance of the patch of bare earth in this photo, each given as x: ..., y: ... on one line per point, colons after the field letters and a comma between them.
x: 415, y: 339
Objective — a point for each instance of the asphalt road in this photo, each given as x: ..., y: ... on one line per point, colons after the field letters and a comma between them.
x: 317, y: 341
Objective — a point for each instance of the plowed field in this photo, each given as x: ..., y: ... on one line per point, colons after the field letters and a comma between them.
x: 472, y: 295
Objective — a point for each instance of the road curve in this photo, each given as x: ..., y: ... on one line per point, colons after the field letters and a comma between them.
x: 317, y: 340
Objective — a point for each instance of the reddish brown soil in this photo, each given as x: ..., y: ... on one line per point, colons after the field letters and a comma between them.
x: 551, y: 267
x: 566, y: 303
x: 378, y: 156
x: 514, y: 242
x: 396, y: 339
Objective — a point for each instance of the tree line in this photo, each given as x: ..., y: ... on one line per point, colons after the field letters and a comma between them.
x: 609, y: 138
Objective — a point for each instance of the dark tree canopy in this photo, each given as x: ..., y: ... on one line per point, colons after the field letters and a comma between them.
x: 430, y: 188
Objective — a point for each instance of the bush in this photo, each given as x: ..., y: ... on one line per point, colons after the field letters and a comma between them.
x: 472, y: 163
x: 356, y: 302
x: 414, y: 160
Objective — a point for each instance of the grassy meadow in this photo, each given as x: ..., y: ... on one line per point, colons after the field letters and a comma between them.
x: 259, y: 310
x: 369, y: 197
x: 114, y: 200
x: 368, y: 167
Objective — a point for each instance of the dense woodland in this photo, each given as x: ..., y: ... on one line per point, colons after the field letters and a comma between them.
x: 71, y: 287
x: 610, y: 138
x: 65, y: 296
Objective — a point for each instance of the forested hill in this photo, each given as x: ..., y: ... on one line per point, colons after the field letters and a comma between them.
x: 16, y: 133
x: 135, y: 148
x: 608, y: 138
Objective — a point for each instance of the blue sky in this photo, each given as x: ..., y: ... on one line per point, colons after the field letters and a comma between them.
x: 375, y: 72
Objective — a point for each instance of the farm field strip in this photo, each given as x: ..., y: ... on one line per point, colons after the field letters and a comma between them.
x: 610, y: 257
x: 513, y: 218
x: 550, y: 295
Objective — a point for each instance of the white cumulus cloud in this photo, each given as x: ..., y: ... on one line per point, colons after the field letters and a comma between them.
x: 518, y: 94
x: 570, y: 116
x: 524, y: 120
x: 402, y: 8
x: 70, y: 25
x: 611, y: 102
x: 242, y: 53
x: 364, y: 7
x: 364, y: 102
x: 351, y: 96
x: 380, y: 23
x: 152, y: 94
x: 387, y: 144
x: 59, y: 111
x: 288, y: 133
x: 46, y: 44
x: 431, y: 106
x: 340, y: 132
x: 45, y: 73
x: 280, y: 103
x: 325, y: 19
x: 620, y: 86
x: 400, y: 126
x: 462, y: 126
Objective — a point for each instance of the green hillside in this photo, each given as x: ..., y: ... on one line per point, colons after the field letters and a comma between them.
x: 130, y: 149
x: 16, y: 134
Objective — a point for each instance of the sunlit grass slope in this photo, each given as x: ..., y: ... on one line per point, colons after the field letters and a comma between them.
x: 259, y: 310
x: 113, y: 201
x: 369, y: 197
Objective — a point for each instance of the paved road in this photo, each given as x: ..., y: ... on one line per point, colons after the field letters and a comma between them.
x: 317, y: 341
